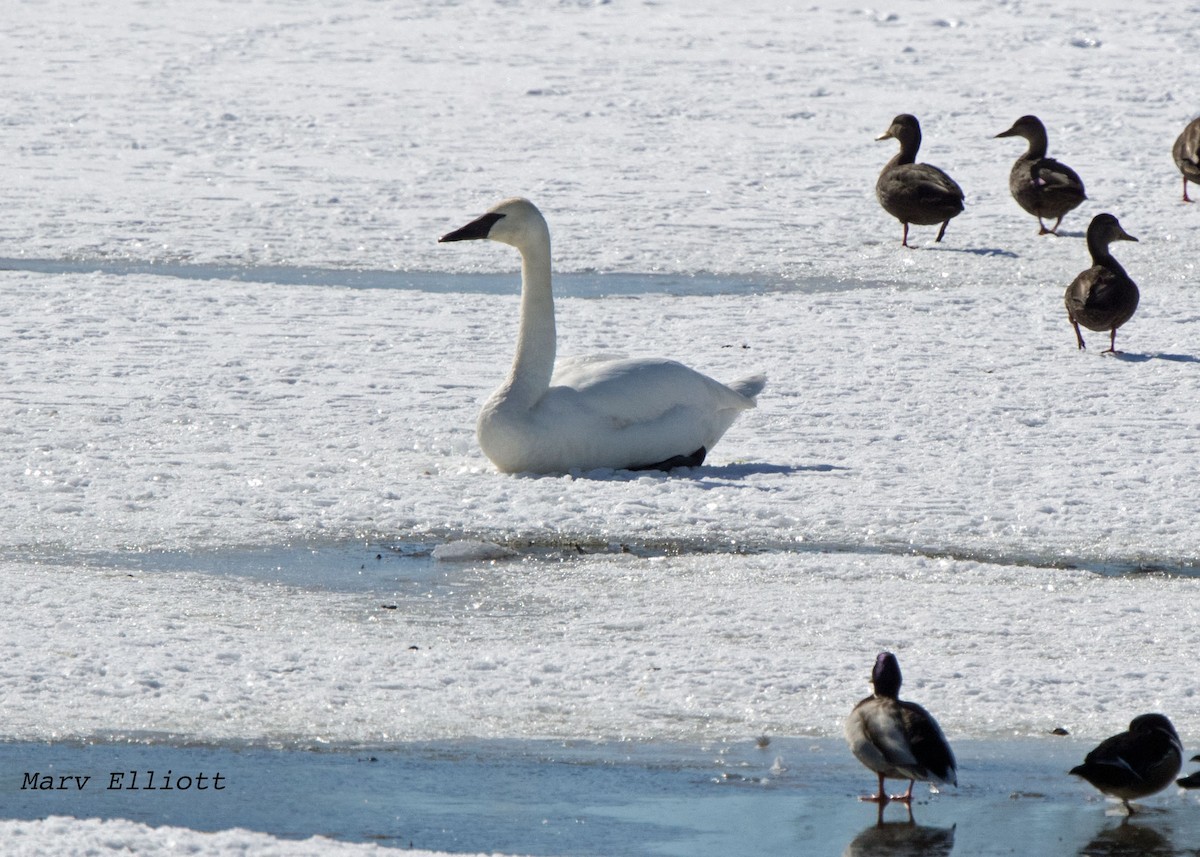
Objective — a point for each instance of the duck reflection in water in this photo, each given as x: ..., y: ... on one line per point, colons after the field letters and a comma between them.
x: 901, y: 839
x: 1130, y: 840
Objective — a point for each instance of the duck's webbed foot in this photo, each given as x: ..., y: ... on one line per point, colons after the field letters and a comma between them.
x: 880, y: 797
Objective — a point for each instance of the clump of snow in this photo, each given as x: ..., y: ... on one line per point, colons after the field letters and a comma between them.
x: 471, y: 550
x: 75, y: 837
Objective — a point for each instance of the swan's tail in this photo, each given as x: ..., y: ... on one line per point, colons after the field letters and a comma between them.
x: 749, y: 387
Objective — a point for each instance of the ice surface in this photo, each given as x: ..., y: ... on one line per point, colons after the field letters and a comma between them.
x: 933, y: 467
x: 700, y: 647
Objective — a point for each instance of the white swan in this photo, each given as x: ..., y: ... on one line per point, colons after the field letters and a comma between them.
x: 592, y: 412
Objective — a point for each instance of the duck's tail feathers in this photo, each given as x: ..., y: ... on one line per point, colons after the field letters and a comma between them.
x: 750, y: 386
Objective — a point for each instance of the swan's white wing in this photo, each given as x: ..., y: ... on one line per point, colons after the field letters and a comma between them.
x: 633, y: 390
x: 576, y: 364
x: 611, y: 413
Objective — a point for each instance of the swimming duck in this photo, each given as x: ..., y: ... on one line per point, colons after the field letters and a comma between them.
x: 1186, y: 152
x: 895, y: 738
x: 1135, y: 763
x: 584, y: 414
x: 1040, y: 185
x: 1102, y: 297
x: 912, y: 192
x: 1191, y: 781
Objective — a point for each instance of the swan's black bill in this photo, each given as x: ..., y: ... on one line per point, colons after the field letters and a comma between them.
x: 475, y: 230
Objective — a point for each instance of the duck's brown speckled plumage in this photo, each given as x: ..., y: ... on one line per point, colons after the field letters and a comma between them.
x: 1103, y: 297
x: 1186, y: 152
x: 1042, y: 186
x: 912, y: 192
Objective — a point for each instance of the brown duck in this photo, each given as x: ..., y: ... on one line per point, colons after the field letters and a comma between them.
x: 912, y: 192
x: 1102, y: 297
x: 1136, y: 763
x: 1187, y: 155
x: 897, y: 739
x: 1040, y: 185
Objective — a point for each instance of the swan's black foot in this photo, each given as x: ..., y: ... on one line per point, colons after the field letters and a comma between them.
x: 693, y: 460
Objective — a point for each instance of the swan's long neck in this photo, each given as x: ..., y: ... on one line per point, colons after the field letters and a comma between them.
x: 533, y: 363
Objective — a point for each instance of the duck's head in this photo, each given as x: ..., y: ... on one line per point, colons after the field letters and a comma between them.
x: 1029, y: 127
x: 514, y: 221
x: 885, y: 677
x: 904, y: 128
x: 1104, y: 229
x: 1145, y: 723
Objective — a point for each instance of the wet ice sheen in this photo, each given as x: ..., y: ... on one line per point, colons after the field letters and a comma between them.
x: 581, y: 798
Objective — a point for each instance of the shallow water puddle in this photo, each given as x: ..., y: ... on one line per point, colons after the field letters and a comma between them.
x: 446, y: 570
x: 796, y: 796
x: 443, y: 568
x: 403, y: 568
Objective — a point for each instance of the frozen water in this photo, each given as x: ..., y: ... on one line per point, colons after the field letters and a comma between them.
x: 230, y: 343
x: 571, y: 798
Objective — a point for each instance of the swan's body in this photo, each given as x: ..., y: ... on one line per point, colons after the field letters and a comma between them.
x: 897, y: 739
x: 1042, y: 186
x: 912, y: 192
x: 1136, y: 763
x: 597, y: 412
x: 1186, y: 152
x: 1103, y: 297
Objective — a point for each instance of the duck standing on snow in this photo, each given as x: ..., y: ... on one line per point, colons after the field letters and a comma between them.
x: 1135, y: 763
x: 635, y: 414
x: 912, y: 192
x: 1040, y: 185
x: 1186, y: 152
x: 1102, y: 297
x: 897, y: 739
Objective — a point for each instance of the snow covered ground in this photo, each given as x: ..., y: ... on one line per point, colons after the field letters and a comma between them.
x: 933, y: 468
x: 70, y: 837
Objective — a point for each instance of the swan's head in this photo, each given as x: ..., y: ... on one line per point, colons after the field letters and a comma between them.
x: 515, y: 221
